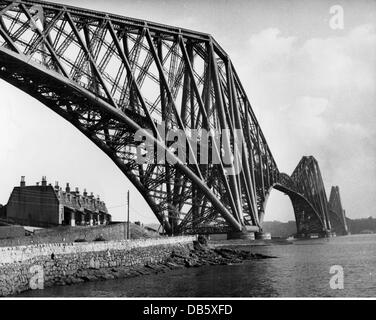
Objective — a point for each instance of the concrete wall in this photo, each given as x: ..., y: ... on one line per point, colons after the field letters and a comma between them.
x: 20, y: 265
x: 11, y: 232
x: 71, y: 234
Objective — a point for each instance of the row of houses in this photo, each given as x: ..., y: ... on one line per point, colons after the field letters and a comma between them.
x: 43, y: 205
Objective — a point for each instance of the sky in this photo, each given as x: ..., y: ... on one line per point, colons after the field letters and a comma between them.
x: 311, y: 87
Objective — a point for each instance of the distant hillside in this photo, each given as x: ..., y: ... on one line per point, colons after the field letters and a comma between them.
x: 364, y: 225
x: 280, y: 229
x: 285, y: 229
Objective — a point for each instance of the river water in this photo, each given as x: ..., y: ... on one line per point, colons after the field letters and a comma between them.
x: 301, y: 269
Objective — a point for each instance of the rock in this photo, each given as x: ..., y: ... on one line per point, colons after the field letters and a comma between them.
x: 89, y: 278
x: 202, y: 239
x: 177, y: 255
x: 133, y: 273
x: 107, y: 276
x: 188, y: 263
x: 173, y: 265
x: 199, y: 246
x: 77, y: 280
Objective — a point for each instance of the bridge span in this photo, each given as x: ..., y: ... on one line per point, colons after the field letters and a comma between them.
x: 114, y: 78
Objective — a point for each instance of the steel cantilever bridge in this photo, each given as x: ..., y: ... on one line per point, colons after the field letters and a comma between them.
x: 111, y: 76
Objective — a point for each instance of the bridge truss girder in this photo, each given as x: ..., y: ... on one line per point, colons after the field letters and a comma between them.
x: 112, y: 77
x: 337, y: 213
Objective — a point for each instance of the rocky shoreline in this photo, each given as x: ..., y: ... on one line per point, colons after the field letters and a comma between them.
x: 200, y: 255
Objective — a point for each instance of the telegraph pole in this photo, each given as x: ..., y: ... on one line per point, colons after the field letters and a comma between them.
x: 128, y: 226
x: 125, y: 227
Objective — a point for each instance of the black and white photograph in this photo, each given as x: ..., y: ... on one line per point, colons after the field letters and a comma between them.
x: 180, y: 149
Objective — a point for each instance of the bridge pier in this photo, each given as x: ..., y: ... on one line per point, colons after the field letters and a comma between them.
x: 312, y: 235
x: 244, y: 235
x: 263, y: 236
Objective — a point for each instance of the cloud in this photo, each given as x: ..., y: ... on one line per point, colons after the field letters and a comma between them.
x: 307, y: 114
x: 342, y: 61
x: 316, y: 97
x: 270, y: 50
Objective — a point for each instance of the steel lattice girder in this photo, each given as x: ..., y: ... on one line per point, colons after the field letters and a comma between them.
x: 112, y: 76
x: 308, y: 219
x: 336, y: 212
x: 308, y: 181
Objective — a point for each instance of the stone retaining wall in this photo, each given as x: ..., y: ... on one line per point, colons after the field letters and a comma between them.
x: 36, y: 266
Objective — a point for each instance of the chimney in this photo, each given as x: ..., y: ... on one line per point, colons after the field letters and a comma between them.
x: 22, y: 183
x: 85, y: 193
x: 56, y: 185
x: 44, y: 181
x: 77, y: 191
x: 91, y: 195
x: 67, y: 188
